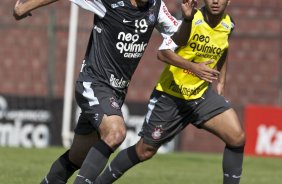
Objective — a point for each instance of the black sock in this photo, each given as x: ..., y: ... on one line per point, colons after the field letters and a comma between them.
x: 125, y: 159
x: 61, y: 170
x: 232, y: 165
x: 94, y: 163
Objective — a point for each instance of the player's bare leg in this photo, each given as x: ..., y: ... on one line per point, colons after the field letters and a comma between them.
x: 112, y: 133
x: 227, y: 127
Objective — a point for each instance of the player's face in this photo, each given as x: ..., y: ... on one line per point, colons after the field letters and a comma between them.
x: 141, y: 3
x: 216, y: 7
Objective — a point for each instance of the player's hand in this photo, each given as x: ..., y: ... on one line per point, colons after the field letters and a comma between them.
x: 189, y: 8
x: 18, y: 15
x: 204, y: 72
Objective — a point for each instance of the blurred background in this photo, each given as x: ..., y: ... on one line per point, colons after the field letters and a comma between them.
x: 33, y: 72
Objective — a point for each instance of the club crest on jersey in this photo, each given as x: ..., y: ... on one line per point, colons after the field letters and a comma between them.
x: 118, y: 4
x: 113, y: 103
x: 157, y: 132
x: 151, y: 18
x: 198, y: 22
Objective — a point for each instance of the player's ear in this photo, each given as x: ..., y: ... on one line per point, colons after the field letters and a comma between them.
x: 228, y: 2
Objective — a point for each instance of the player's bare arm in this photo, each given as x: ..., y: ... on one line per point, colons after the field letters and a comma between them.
x: 188, y: 8
x: 23, y: 8
x: 222, y: 67
x: 199, y: 69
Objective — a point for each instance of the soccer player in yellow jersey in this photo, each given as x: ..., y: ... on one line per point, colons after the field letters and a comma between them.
x: 184, y: 95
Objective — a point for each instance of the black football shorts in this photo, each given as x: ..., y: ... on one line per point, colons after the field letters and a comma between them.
x: 168, y: 115
x: 95, y: 101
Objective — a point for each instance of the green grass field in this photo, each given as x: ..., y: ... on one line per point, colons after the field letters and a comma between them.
x: 28, y: 166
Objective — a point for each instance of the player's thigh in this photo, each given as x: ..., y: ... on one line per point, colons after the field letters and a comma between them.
x: 80, y: 147
x: 101, y: 110
x: 164, y: 119
x: 98, y: 104
x: 227, y: 126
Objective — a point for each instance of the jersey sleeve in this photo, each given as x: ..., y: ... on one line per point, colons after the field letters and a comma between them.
x: 95, y: 6
x: 232, y: 26
x: 166, y: 23
x: 168, y: 43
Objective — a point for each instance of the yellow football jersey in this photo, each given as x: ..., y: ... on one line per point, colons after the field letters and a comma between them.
x: 205, y: 43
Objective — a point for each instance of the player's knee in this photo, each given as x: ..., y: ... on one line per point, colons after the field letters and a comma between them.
x: 114, y: 138
x: 237, y: 140
x: 118, y: 137
x: 112, y: 131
